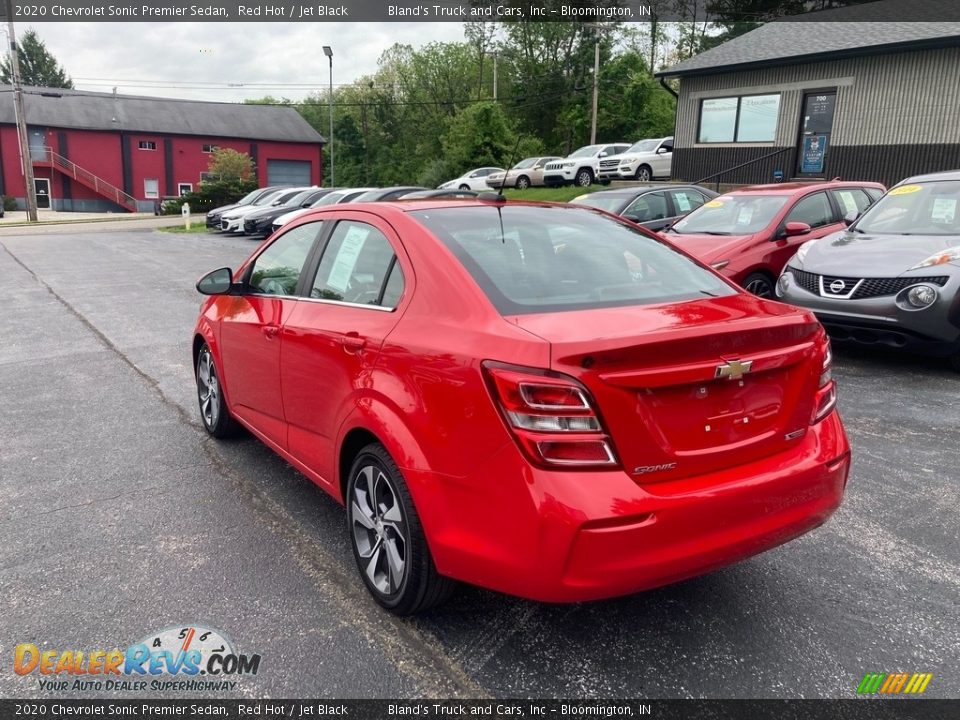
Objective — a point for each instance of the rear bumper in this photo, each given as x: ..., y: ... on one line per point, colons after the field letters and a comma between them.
x: 569, y: 537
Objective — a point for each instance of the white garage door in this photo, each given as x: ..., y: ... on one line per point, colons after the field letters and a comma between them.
x: 288, y: 172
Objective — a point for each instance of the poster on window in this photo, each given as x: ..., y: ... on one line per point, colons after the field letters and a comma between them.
x: 814, y: 150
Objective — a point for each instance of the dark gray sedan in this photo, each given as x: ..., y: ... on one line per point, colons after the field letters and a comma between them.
x: 892, y: 278
x: 655, y: 206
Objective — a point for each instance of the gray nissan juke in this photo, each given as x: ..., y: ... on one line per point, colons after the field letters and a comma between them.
x: 892, y: 277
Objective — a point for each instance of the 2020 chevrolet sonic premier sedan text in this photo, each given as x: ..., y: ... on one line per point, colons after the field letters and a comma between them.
x: 542, y: 400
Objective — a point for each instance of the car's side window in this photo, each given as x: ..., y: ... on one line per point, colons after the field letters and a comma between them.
x: 814, y: 210
x: 355, y: 267
x: 685, y: 201
x: 652, y: 206
x: 277, y: 269
x: 667, y: 145
x: 851, y: 200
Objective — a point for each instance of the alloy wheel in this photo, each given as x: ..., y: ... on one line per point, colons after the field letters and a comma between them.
x: 522, y: 182
x: 759, y: 286
x: 643, y: 173
x: 208, y: 390
x: 378, y: 529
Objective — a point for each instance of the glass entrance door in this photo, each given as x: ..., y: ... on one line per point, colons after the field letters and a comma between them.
x: 816, y: 125
x: 42, y: 186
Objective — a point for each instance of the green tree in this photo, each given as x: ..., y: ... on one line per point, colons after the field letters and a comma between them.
x: 229, y: 165
x: 479, y: 135
x: 37, y: 66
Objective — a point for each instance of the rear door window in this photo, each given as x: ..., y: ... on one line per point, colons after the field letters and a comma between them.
x: 355, y: 267
x: 851, y: 200
x: 685, y: 200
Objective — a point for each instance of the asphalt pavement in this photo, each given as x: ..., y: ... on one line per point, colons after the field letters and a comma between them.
x: 119, y: 517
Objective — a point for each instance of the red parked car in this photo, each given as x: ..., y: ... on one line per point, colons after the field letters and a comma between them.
x: 750, y: 234
x: 543, y: 400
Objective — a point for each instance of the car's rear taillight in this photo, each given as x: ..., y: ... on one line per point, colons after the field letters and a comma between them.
x: 552, y: 417
x: 826, y: 399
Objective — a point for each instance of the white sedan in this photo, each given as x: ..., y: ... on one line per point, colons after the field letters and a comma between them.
x: 472, y: 180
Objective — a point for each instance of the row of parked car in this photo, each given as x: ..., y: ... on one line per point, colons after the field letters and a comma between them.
x: 810, y: 244
x: 644, y: 160
x: 263, y: 211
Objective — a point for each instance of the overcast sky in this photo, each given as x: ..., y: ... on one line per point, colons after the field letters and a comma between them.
x: 184, y: 59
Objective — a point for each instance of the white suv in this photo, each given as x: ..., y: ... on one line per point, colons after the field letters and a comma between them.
x: 581, y: 167
x: 646, y: 160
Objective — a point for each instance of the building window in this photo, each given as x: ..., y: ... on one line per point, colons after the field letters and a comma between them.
x: 209, y: 177
x: 151, y: 188
x: 184, y: 188
x: 749, y: 118
x: 148, y: 145
x: 208, y: 148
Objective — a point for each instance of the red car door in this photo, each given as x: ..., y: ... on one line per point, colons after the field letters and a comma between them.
x: 332, y: 338
x: 816, y: 211
x: 250, y: 331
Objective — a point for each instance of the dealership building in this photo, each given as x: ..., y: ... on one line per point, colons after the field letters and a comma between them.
x: 102, y: 152
x: 821, y: 98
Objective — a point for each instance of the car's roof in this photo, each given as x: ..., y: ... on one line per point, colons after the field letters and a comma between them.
x: 933, y: 177
x: 801, y: 188
x: 644, y: 187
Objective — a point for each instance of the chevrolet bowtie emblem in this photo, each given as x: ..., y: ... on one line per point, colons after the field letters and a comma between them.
x: 733, y: 369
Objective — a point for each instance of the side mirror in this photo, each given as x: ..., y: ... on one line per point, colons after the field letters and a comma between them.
x: 792, y: 229
x: 217, y: 282
x: 662, y: 151
x: 851, y: 217
x: 602, y: 154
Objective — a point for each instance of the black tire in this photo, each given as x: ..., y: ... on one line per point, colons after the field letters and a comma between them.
x: 954, y: 361
x: 523, y: 182
x: 464, y: 187
x: 388, y: 523
x: 760, y: 284
x: 643, y: 174
x: 583, y: 178
x: 214, y: 415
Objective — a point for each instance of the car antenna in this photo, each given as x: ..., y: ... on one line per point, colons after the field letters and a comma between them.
x: 513, y: 159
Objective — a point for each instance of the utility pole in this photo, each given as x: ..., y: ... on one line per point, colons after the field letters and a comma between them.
x: 596, y: 78
x: 26, y: 163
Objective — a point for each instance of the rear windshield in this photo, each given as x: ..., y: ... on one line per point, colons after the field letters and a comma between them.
x: 928, y: 208
x: 549, y: 259
x: 732, y: 215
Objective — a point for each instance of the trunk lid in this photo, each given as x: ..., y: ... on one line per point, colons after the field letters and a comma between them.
x: 694, y: 387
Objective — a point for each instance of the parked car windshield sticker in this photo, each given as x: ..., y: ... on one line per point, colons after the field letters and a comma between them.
x: 683, y: 202
x: 745, y: 215
x: 905, y: 190
x: 846, y: 199
x: 714, y: 203
x: 346, y: 260
x: 944, y: 210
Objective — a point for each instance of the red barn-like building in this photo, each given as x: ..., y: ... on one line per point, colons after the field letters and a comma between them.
x: 101, y: 152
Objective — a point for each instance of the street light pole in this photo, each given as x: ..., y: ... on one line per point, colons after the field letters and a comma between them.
x: 328, y: 51
x: 26, y: 162
x: 596, y: 78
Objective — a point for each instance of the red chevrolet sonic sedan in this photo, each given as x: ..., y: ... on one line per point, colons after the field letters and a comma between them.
x: 542, y: 400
